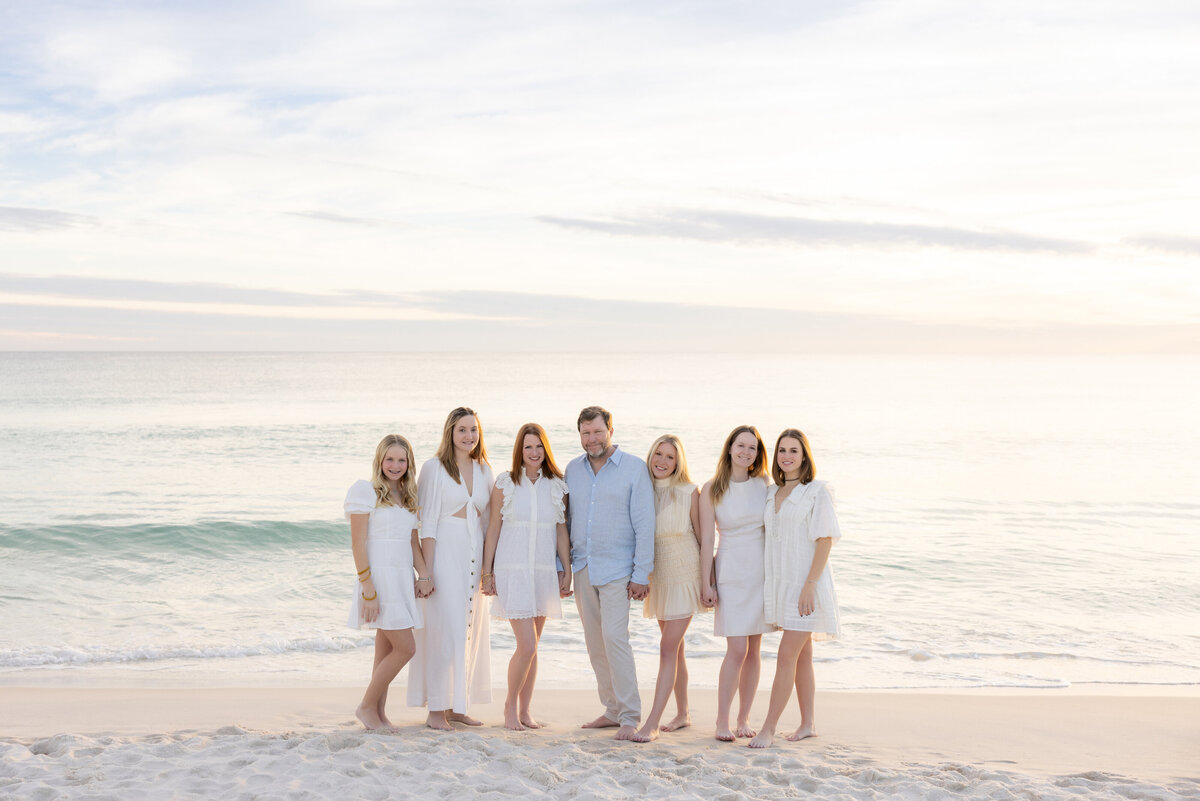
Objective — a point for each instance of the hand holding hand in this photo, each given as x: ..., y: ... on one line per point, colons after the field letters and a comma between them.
x: 564, y: 584
x: 708, y: 596
x: 637, y: 591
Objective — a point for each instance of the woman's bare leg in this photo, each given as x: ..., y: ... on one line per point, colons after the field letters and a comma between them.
x: 748, y: 684
x: 682, y: 718
x: 806, y: 694
x: 402, y: 649
x: 790, y: 647
x: 383, y: 647
x: 525, y: 698
x: 518, y: 669
x: 664, y: 685
x: 728, y: 681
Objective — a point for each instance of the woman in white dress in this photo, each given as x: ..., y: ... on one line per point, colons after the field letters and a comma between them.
x: 452, y: 668
x: 675, y: 583
x: 383, y: 537
x: 798, y: 593
x: 732, y: 503
x: 527, y: 530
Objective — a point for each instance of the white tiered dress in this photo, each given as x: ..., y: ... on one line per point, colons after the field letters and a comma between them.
x: 389, y: 553
x: 675, y: 583
x: 805, y: 516
x: 739, y: 610
x: 524, y: 565
x: 452, y: 666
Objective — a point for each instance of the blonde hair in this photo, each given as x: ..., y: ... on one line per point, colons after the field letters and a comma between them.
x: 548, y: 469
x: 724, y: 474
x: 808, y: 472
x: 681, y: 475
x: 445, y: 451
x: 383, y: 488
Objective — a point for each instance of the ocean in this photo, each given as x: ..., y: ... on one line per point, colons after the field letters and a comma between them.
x: 174, y: 519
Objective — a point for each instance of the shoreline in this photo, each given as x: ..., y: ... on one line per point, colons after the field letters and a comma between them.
x: 1147, y: 737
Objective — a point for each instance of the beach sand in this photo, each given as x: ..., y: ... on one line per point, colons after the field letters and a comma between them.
x: 303, y: 743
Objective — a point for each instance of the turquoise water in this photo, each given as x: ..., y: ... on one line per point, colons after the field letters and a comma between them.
x: 175, y: 519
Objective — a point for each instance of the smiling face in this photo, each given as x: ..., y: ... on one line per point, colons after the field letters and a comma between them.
x: 595, y: 437
x: 664, y: 461
x: 532, y: 453
x: 394, y: 464
x: 744, y: 450
x: 465, y: 434
x: 789, y: 457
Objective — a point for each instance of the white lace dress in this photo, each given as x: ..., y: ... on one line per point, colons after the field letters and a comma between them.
x: 524, y: 567
x: 805, y: 516
x: 389, y: 553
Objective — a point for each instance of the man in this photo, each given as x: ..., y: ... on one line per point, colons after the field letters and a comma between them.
x: 612, y: 553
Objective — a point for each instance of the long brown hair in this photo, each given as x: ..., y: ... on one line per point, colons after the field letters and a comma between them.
x: 721, y: 479
x: 445, y: 451
x: 408, y: 485
x: 548, y: 469
x: 808, y: 472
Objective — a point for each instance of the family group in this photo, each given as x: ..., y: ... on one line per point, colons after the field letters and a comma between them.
x: 434, y: 552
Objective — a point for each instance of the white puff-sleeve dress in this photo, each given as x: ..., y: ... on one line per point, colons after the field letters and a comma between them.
x: 524, y: 566
x: 805, y: 516
x: 452, y: 666
x: 389, y: 553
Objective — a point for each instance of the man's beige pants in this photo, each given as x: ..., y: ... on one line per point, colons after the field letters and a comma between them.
x: 604, y: 610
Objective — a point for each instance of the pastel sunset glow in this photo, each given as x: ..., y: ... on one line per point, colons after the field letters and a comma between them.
x: 921, y: 176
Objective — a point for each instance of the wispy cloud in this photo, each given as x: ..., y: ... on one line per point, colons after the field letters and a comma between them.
x: 1186, y: 245
x: 329, y: 216
x: 18, y: 218
x: 737, y: 227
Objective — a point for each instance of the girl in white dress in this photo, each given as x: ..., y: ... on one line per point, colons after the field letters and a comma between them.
x: 526, y: 532
x: 798, y: 593
x: 675, y: 583
x: 383, y: 537
x: 452, y: 668
x: 732, y: 503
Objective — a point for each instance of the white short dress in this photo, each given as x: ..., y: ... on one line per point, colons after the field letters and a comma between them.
x: 452, y: 666
x: 739, y: 611
x: 524, y: 566
x: 675, y: 583
x: 805, y: 516
x: 389, y: 553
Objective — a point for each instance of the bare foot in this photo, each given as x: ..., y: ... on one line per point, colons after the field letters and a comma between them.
x: 744, y: 730
x: 681, y: 721
x: 437, y: 720
x: 723, y: 732
x: 802, y: 732
x: 528, y: 722
x: 511, y: 721
x: 626, y: 732
x: 466, y: 720
x: 645, y: 735
x: 387, y: 724
x: 762, y: 740
x: 369, y: 718
x: 602, y: 722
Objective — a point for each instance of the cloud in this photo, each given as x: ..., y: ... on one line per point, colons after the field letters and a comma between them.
x: 1186, y: 245
x: 329, y: 216
x: 18, y: 218
x: 735, y: 227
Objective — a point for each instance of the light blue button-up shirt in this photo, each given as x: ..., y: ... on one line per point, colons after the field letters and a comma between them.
x: 612, y: 518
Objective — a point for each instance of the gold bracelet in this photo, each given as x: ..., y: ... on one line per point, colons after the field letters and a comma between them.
x: 486, y: 575
x: 372, y: 598
x: 427, y: 578
x: 364, y: 579
x: 364, y: 570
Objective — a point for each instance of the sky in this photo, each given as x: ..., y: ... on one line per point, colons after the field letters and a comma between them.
x: 911, y: 176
